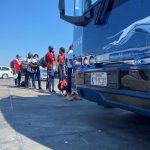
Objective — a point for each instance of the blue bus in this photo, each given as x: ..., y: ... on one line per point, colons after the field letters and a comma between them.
x: 112, y: 48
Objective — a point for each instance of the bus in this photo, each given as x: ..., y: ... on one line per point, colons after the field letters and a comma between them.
x: 112, y: 48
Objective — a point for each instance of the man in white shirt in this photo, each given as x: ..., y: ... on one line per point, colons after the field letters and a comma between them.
x: 69, y: 71
x: 29, y: 72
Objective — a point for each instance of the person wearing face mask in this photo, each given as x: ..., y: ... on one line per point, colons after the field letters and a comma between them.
x: 17, y: 70
x: 36, y: 62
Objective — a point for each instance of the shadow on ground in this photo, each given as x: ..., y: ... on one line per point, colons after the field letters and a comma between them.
x: 52, y: 121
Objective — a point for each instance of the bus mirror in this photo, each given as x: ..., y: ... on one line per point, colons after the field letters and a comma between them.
x: 62, y: 7
x: 76, y: 20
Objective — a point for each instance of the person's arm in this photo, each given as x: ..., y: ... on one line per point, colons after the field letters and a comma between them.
x: 64, y: 66
x: 32, y: 65
x: 38, y: 63
x: 24, y: 62
x: 14, y: 69
x: 53, y: 57
x: 70, y: 58
x: 57, y: 63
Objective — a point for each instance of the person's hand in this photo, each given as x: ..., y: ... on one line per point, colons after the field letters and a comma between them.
x: 71, y: 62
x: 38, y: 64
x: 65, y: 75
x: 35, y: 66
x: 14, y: 72
x: 56, y: 69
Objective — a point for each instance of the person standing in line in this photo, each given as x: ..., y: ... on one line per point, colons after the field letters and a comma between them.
x: 69, y: 72
x: 61, y: 63
x: 71, y: 94
x: 29, y: 71
x: 51, y: 79
x: 50, y: 58
x: 37, y: 76
x: 17, y: 70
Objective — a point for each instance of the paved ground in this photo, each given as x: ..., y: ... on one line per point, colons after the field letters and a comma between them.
x: 36, y: 120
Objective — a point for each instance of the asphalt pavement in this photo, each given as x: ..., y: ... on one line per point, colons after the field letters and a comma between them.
x: 37, y: 120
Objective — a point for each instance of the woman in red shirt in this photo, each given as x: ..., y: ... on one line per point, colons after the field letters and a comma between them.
x: 17, y: 70
x: 60, y: 63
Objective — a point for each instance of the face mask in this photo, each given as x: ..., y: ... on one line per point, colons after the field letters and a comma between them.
x: 36, y: 58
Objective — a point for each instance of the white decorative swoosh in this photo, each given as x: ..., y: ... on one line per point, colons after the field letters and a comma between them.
x: 142, y: 26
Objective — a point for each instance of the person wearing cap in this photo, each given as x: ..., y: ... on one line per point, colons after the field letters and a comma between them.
x: 17, y: 70
x: 50, y: 58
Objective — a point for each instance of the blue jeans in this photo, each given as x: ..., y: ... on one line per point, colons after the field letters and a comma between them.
x: 50, y: 79
x: 69, y: 78
x: 60, y: 72
x: 38, y: 78
x: 27, y: 76
x: 18, y: 80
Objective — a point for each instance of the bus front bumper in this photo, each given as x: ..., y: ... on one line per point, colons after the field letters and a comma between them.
x: 134, y: 101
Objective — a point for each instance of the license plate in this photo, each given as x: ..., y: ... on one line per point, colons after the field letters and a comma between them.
x: 99, y: 78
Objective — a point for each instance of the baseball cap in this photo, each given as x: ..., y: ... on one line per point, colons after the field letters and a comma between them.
x: 18, y: 56
x: 50, y: 47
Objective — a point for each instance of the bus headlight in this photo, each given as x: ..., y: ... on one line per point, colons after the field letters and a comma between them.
x: 85, y: 61
x: 91, y: 60
x: 96, y: 60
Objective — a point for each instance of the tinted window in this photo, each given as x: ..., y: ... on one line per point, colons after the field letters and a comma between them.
x: 88, y: 3
x: 43, y: 71
x: 82, y: 5
x: 93, y: 1
x: 5, y: 68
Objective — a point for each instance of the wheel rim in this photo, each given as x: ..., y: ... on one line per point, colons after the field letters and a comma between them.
x: 5, y: 76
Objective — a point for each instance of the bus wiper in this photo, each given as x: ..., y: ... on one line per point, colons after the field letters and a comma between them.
x: 102, y: 11
x: 105, y: 6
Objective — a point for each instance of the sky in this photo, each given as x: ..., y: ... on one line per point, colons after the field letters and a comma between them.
x: 31, y: 26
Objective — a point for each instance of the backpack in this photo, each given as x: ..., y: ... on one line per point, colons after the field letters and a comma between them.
x: 22, y: 84
x: 62, y: 86
x: 43, y: 61
x: 12, y: 64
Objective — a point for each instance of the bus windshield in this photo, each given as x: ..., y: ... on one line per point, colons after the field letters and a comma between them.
x: 82, y: 5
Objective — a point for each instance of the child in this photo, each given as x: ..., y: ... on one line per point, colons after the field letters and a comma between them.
x: 62, y: 86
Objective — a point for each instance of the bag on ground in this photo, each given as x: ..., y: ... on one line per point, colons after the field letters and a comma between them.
x: 62, y: 86
x: 22, y: 84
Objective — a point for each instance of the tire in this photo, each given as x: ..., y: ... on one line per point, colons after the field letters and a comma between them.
x: 5, y: 76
